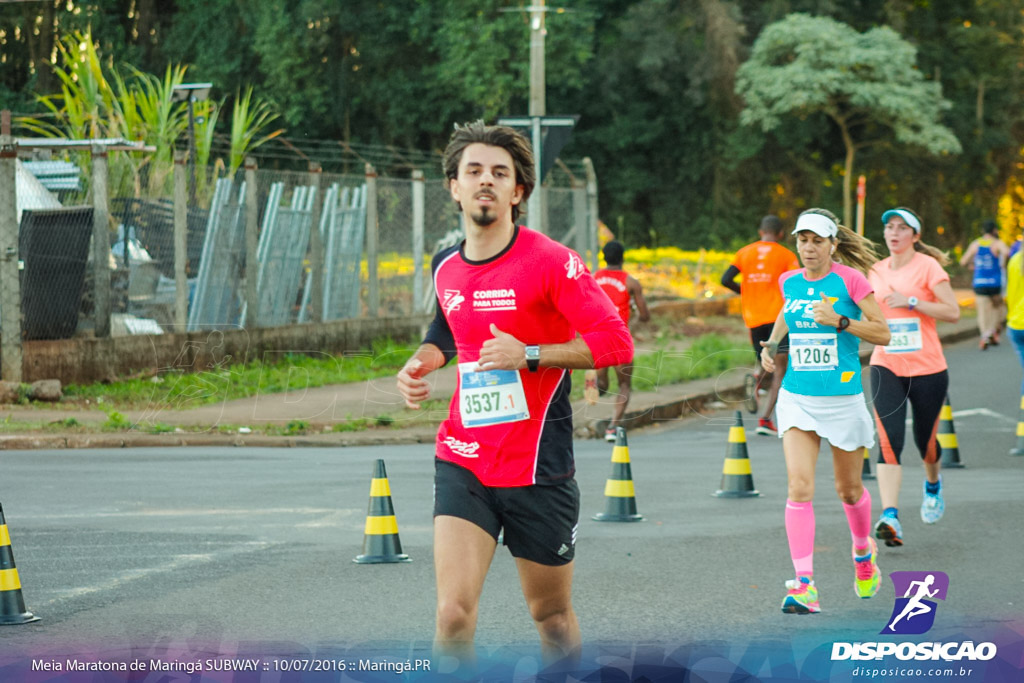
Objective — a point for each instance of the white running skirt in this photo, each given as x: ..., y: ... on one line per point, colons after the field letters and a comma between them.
x: 843, y: 420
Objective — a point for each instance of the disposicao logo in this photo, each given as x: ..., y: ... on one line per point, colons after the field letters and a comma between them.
x: 914, y: 613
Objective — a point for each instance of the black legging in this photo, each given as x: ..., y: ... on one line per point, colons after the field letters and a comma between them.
x: 926, y: 395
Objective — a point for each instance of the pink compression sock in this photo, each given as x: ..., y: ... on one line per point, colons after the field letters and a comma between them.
x: 800, y: 532
x: 859, y: 517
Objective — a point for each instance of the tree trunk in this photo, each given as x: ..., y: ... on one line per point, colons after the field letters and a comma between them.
x: 851, y: 152
x: 40, y: 46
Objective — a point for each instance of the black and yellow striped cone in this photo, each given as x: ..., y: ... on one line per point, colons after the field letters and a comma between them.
x: 12, y: 605
x: 737, y: 481
x: 947, y: 438
x: 865, y: 472
x: 1019, y: 448
x: 380, y: 542
x: 619, y: 496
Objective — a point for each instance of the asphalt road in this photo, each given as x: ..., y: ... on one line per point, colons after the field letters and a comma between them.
x: 135, y: 550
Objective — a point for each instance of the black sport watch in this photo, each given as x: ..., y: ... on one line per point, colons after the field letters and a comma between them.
x: 532, y: 357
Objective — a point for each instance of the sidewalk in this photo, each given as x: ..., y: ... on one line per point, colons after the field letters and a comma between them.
x: 326, y: 408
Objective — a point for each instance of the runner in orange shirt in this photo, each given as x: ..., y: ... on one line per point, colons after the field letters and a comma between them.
x: 761, y: 264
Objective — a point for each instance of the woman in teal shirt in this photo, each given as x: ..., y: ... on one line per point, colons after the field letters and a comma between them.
x: 829, y: 307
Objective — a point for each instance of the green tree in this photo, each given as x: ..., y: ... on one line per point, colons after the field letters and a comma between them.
x: 866, y: 83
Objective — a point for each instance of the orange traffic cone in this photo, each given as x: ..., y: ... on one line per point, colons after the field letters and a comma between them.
x: 12, y: 605
x: 380, y: 542
x: 865, y: 472
x: 947, y: 438
x: 737, y: 480
x: 620, y: 498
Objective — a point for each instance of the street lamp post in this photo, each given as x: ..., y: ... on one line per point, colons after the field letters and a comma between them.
x: 191, y: 92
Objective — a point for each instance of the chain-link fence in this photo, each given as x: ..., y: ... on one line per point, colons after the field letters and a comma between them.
x: 265, y: 248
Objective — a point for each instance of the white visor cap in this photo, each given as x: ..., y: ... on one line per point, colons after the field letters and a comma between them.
x: 816, y: 223
x: 908, y: 218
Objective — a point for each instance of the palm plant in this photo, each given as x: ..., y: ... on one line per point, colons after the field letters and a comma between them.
x: 97, y: 100
x: 249, y: 117
x: 161, y: 120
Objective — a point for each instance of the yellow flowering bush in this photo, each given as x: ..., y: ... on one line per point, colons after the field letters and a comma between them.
x: 670, y: 272
x: 664, y: 272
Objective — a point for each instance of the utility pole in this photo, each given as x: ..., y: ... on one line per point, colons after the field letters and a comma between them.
x: 535, y: 205
x: 537, y: 123
x: 537, y: 84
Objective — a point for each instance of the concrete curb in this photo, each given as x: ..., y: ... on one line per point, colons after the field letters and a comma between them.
x: 130, y: 440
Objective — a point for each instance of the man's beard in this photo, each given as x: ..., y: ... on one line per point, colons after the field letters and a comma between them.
x: 484, y: 217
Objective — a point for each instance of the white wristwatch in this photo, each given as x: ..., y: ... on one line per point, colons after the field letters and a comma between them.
x: 911, y: 303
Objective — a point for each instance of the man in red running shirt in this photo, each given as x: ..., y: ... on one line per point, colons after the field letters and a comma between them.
x: 621, y: 288
x: 519, y: 310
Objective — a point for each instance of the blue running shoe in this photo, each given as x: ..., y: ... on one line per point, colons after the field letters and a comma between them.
x: 888, y: 529
x: 932, y: 506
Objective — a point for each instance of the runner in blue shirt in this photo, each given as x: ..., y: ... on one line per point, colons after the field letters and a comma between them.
x: 987, y: 255
x: 829, y: 307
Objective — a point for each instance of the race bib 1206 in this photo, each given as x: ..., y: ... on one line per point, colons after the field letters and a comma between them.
x: 813, y: 351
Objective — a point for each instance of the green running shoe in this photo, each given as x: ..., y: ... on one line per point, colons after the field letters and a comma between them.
x: 868, y: 576
x: 802, y: 597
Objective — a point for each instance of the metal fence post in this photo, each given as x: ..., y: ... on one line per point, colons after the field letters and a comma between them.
x: 100, y: 243
x: 592, y: 216
x: 579, y: 217
x: 418, y: 228
x: 10, y: 286
x: 372, y: 286
x: 252, y: 242
x: 316, y: 246
x: 180, y: 243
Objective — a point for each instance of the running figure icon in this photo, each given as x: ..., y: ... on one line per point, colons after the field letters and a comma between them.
x: 915, y: 606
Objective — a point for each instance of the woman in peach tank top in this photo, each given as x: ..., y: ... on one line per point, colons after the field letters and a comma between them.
x: 914, y: 292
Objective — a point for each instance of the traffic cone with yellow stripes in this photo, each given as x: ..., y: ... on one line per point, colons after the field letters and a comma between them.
x: 947, y: 438
x: 619, y: 496
x: 12, y: 604
x: 1019, y: 448
x: 380, y: 542
x: 737, y: 480
x: 865, y: 472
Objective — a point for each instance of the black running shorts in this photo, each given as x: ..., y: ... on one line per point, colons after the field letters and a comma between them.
x: 762, y: 333
x: 538, y: 522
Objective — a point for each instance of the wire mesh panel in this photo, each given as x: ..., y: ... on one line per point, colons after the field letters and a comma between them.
x: 284, y: 240
x: 561, y: 220
x: 150, y: 222
x: 345, y: 250
x: 216, y: 296
x: 54, y: 247
x: 342, y: 231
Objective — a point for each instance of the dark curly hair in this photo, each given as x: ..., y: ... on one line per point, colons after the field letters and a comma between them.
x: 509, y: 139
